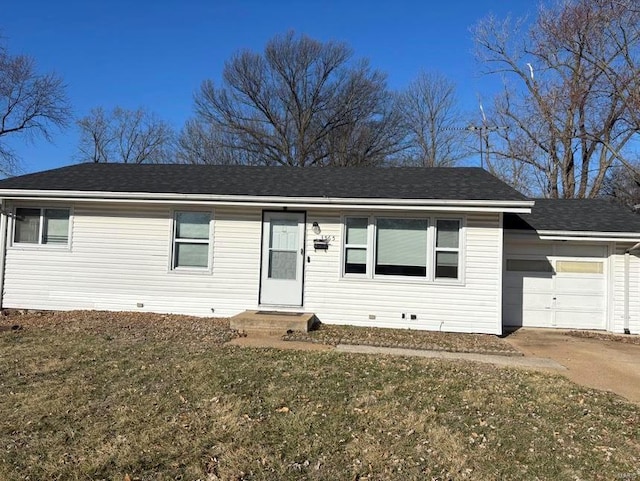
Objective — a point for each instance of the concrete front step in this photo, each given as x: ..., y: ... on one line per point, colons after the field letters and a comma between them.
x: 273, y: 322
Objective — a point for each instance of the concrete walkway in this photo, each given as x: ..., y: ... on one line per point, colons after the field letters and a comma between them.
x: 262, y: 340
x: 511, y: 361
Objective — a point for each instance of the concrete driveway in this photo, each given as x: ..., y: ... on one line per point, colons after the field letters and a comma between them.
x: 609, y: 365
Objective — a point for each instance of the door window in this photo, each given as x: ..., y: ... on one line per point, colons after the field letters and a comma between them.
x: 283, y: 249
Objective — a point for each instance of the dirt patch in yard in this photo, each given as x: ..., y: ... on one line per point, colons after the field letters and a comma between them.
x: 405, y: 338
x: 135, y: 325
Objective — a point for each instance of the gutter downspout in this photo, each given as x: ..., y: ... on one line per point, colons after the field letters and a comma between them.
x: 627, y: 261
x: 3, y: 247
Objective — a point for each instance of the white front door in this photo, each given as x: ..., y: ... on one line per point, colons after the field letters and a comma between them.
x: 282, y: 258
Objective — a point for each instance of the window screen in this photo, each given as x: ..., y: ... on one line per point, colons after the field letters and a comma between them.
x: 447, y: 265
x: 355, y: 252
x: 41, y: 226
x: 56, y: 226
x: 448, y: 233
x: 447, y: 248
x: 192, y: 225
x: 27, y: 226
x: 191, y: 240
x: 191, y: 255
x: 283, y: 248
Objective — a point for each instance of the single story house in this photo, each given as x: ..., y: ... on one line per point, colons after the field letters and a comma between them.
x: 450, y: 249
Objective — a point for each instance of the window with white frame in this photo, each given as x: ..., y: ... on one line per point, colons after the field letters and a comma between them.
x: 529, y: 265
x: 410, y: 247
x: 447, y: 249
x: 355, y: 249
x: 191, y: 240
x: 35, y: 225
x: 401, y: 247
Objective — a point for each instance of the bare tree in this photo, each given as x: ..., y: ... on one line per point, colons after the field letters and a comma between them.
x: 205, y: 143
x: 95, y: 136
x: 431, y: 117
x: 128, y: 136
x: 622, y: 186
x: 571, y: 95
x: 31, y: 104
x: 514, y: 172
x: 370, y: 142
x: 301, y: 103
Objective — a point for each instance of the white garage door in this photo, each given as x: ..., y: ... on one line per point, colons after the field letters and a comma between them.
x: 560, y: 286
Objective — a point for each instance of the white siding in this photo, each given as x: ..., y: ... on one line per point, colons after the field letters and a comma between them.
x: 618, y: 279
x: 471, y: 306
x: 120, y: 256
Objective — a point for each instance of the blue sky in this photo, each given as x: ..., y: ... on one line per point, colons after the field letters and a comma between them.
x: 155, y: 54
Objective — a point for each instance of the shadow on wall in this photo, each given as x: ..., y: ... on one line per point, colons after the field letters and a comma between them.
x: 527, y: 292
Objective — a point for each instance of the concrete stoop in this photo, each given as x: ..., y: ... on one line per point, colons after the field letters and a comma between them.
x: 272, y: 322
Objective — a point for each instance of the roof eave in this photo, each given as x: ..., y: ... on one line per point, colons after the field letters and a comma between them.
x: 512, y: 206
x: 595, y: 236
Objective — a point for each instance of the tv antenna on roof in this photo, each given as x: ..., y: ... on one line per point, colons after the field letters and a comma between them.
x: 483, y: 133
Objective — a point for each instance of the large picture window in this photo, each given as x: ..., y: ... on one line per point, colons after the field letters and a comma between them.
x: 41, y: 226
x: 191, y: 240
x: 409, y: 247
x: 401, y: 247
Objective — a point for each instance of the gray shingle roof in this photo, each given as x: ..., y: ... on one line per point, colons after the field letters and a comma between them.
x: 366, y: 183
x: 586, y: 215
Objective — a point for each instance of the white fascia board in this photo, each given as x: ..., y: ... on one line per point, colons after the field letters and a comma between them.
x: 521, y: 207
x: 596, y: 237
x: 586, y: 236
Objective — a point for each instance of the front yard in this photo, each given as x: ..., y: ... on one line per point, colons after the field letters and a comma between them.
x: 104, y: 396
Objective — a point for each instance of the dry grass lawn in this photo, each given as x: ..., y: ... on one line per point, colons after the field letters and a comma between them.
x: 94, y: 396
x: 405, y: 338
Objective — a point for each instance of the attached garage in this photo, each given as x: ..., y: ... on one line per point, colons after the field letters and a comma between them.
x: 572, y: 264
x: 555, y: 285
